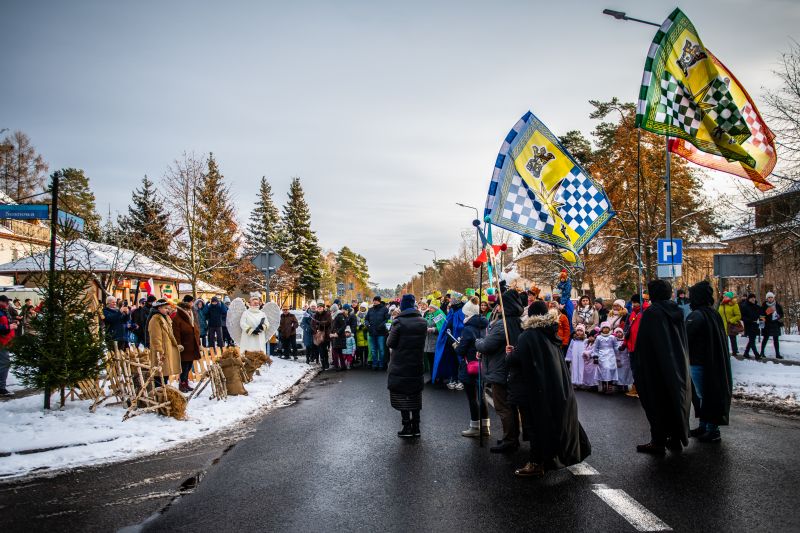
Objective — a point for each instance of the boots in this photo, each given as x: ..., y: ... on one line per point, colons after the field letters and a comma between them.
x: 184, y: 387
x: 485, y: 425
x: 473, y: 430
x: 407, y: 430
x: 415, y: 427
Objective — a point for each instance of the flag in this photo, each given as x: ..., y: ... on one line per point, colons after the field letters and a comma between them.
x: 684, y: 95
x: 539, y: 191
x: 760, y: 145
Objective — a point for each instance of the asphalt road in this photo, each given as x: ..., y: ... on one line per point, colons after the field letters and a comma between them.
x: 333, y: 462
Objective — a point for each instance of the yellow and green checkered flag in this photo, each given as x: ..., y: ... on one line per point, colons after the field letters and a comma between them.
x: 684, y: 94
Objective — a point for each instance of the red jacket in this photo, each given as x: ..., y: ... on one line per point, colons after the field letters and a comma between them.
x: 633, y: 327
x: 563, y: 329
x: 6, y: 333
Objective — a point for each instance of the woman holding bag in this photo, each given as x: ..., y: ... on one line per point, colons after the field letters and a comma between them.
x: 732, y: 318
x: 475, y: 326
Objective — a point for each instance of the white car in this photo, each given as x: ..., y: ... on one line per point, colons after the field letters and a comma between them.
x: 298, y: 336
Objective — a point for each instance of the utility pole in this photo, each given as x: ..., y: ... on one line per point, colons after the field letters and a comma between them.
x: 51, y: 277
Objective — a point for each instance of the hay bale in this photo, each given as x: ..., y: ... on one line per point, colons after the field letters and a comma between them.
x: 177, y: 402
x: 232, y: 369
x: 230, y: 352
x: 253, y: 361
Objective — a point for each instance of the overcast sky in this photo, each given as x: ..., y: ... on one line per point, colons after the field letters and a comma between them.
x: 389, y: 112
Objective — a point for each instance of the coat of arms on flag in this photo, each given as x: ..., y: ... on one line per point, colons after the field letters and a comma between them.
x: 760, y: 145
x: 538, y: 190
x: 685, y: 95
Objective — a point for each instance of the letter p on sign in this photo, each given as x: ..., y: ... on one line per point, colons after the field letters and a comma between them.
x: 670, y: 252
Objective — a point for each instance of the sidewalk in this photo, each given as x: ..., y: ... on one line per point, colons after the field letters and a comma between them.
x: 73, y: 437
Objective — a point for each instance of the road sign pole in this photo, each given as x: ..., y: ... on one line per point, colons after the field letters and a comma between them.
x: 51, y: 278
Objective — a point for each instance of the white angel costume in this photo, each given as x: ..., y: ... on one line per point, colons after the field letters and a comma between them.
x: 254, y: 326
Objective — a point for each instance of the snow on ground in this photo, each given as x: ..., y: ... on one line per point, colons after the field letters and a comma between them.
x: 83, y: 438
x: 790, y: 347
x: 769, y: 382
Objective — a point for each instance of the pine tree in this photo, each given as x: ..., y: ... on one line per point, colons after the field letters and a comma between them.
x: 76, y: 197
x: 301, y: 248
x: 265, y: 228
x: 145, y: 227
x: 524, y: 244
x: 219, y: 230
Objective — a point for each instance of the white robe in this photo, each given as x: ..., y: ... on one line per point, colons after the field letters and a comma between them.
x: 575, y: 356
x: 624, y: 373
x: 250, y: 320
x: 605, y: 348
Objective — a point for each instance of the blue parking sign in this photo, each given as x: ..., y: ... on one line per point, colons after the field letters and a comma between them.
x: 670, y: 252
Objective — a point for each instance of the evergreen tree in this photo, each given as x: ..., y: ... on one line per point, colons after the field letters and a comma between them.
x: 145, y: 227
x: 60, y: 346
x: 301, y: 248
x: 524, y: 244
x: 265, y: 228
x: 76, y: 197
x: 218, y: 228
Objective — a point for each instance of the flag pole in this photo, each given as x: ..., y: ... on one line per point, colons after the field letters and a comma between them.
x: 639, y: 207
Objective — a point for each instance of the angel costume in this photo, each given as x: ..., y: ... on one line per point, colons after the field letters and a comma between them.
x: 575, y: 356
x: 605, y: 349
x: 254, y: 324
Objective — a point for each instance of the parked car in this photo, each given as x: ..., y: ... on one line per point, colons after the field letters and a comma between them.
x: 298, y: 336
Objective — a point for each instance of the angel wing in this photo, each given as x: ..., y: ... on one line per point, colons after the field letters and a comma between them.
x: 235, y: 312
x: 273, y: 312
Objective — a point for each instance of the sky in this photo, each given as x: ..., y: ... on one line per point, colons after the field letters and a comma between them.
x: 389, y: 112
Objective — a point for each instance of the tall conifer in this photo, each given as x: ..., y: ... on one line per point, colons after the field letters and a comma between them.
x: 301, y: 247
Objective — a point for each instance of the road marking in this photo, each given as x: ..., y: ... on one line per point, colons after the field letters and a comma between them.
x: 583, y: 469
x: 634, y: 512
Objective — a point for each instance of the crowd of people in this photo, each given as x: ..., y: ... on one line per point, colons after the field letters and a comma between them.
x: 14, y: 317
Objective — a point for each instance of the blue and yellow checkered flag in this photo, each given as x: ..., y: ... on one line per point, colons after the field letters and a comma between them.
x: 539, y: 191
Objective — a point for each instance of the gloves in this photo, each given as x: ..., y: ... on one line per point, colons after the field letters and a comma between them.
x: 258, y: 329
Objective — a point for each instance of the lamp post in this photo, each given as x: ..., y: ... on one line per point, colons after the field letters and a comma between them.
x: 434, y: 254
x: 620, y: 15
x: 422, y: 273
x: 477, y: 242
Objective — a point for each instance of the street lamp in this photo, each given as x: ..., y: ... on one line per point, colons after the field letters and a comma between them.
x: 423, y: 277
x: 434, y: 254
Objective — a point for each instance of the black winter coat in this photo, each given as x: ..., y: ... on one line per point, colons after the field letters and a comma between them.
x: 407, y: 341
x: 750, y: 313
x: 215, y: 315
x: 376, y: 320
x: 660, y: 364
x: 493, y: 346
x: 474, y: 329
x: 708, y: 347
x: 540, y: 385
x: 771, y: 325
x: 339, y: 323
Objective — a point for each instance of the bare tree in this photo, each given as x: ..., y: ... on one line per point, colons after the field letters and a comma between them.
x: 783, y: 112
x: 22, y: 169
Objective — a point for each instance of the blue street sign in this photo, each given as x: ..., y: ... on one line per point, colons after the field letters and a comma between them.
x: 670, y: 252
x: 25, y: 211
x: 70, y: 221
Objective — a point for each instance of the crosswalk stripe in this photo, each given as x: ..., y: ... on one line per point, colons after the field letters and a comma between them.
x: 634, y: 512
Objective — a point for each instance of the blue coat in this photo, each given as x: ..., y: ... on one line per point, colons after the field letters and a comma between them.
x: 445, y: 363
x: 215, y: 315
x: 308, y: 333
x: 115, y: 323
x: 565, y: 287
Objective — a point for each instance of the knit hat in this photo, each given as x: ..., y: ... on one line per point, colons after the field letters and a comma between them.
x: 347, y: 329
x: 408, y: 302
x: 620, y: 330
x: 728, y: 294
x: 320, y: 302
x: 770, y: 294
x: 347, y: 307
x: 580, y: 327
x: 376, y: 299
x: 605, y: 325
x: 227, y: 299
x: 619, y: 302
x: 334, y: 308
x: 470, y: 309
x: 598, y: 301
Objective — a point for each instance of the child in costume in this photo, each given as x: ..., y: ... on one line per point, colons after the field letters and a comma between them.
x: 606, y: 350
x: 624, y: 373
x: 362, y: 341
x: 589, y: 381
x: 349, y: 347
x: 575, y: 356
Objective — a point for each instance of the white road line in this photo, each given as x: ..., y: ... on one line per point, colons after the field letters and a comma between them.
x: 583, y: 469
x: 634, y: 512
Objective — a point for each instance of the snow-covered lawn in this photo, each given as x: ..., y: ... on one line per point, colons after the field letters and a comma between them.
x: 768, y: 382
x: 82, y: 438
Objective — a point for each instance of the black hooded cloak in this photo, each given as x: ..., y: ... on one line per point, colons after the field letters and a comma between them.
x: 660, y: 365
x: 708, y: 347
x: 540, y: 385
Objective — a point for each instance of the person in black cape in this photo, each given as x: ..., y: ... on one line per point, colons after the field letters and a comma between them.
x: 406, y: 368
x: 660, y: 365
x: 539, y: 383
x: 710, y: 363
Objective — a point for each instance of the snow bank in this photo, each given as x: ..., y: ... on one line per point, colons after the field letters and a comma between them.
x: 770, y: 383
x: 81, y: 438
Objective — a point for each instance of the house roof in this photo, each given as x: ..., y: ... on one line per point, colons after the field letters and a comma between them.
x: 791, y: 190
x: 85, y: 255
x: 202, y: 286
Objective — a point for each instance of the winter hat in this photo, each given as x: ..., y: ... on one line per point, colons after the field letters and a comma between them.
x: 253, y: 295
x: 620, y: 302
x: 363, y: 305
x: 620, y: 330
x: 580, y: 327
x: 751, y: 295
x: 214, y: 299
x: 408, y: 302
x: 729, y: 294
x: 598, y: 301
x: 320, y: 302
x: 227, y: 299
x: 334, y: 308
x: 538, y: 308
x: 337, y: 302
x: 188, y: 299
x: 770, y: 294
x: 635, y: 299
x: 470, y: 309
x: 347, y: 329
x: 347, y: 307
x: 701, y: 294
x: 605, y: 325
x: 659, y: 290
